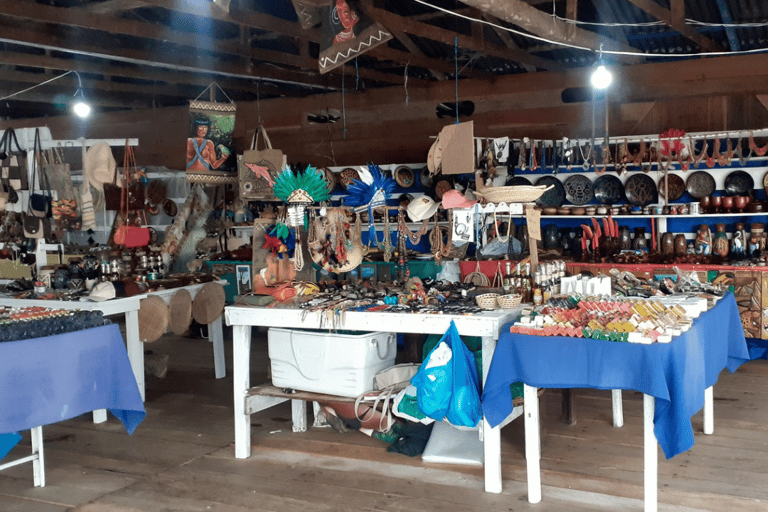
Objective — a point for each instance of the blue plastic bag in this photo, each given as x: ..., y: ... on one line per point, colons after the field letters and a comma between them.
x: 464, y: 409
x: 433, y: 382
x: 449, y: 389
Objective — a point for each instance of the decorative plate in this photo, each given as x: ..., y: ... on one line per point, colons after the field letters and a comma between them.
x: 553, y: 197
x: 676, y: 187
x: 516, y: 181
x: 640, y: 190
x: 739, y: 183
x: 608, y: 189
x: 347, y: 176
x: 404, y: 176
x: 700, y: 184
x: 578, y: 189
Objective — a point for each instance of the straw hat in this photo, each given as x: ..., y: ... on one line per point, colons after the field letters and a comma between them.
x: 209, y: 303
x: 181, y: 312
x: 153, y: 318
x: 99, y: 166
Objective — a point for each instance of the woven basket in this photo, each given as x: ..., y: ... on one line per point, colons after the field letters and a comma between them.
x: 209, y: 303
x: 487, y: 300
x: 516, y: 194
x: 509, y: 301
x: 180, y: 311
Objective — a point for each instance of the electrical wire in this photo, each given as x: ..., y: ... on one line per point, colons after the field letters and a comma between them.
x: 585, y: 48
x: 79, y: 84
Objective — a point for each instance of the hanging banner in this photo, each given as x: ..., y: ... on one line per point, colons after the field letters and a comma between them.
x: 210, y: 148
x: 346, y: 33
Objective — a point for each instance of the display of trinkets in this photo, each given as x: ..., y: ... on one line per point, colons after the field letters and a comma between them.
x: 612, y: 318
x: 37, y: 322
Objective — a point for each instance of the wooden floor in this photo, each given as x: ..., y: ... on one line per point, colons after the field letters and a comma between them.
x: 181, y: 458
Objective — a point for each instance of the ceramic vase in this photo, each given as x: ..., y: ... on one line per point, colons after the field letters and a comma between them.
x: 738, y: 242
x: 720, y: 241
x: 681, y: 245
x: 625, y: 240
x: 668, y: 244
x: 640, y: 243
x: 703, y: 242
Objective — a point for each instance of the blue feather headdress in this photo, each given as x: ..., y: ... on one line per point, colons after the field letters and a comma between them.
x: 368, y: 193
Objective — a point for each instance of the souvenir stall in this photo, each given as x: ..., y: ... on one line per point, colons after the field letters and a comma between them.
x: 510, y: 266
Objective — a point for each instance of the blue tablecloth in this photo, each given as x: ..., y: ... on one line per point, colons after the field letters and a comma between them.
x: 45, y: 380
x: 675, y: 373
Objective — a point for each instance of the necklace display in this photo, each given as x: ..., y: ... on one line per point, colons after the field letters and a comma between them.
x: 386, y: 243
x: 402, y: 225
x: 712, y: 160
x: 697, y: 159
x: 586, y: 158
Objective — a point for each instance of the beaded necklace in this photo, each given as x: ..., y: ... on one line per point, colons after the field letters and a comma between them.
x: 702, y: 154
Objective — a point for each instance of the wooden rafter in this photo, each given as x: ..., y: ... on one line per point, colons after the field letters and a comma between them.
x: 541, y: 24
x: 395, y: 22
x: 675, y: 18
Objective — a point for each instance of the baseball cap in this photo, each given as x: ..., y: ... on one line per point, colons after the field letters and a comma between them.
x: 421, y: 208
x: 107, y: 290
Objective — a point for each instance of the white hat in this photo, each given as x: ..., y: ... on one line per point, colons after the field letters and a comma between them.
x: 99, y: 166
x: 421, y: 208
x: 103, y: 291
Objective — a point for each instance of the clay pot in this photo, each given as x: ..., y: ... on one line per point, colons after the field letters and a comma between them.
x: 640, y: 243
x: 668, y: 244
x: 681, y: 244
x: 720, y: 241
x: 705, y: 203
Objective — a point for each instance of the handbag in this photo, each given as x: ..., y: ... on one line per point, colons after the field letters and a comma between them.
x: 33, y: 226
x: 13, y: 164
x: 131, y: 233
x: 397, y: 376
x: 258, y: 168
x: 39, y: 204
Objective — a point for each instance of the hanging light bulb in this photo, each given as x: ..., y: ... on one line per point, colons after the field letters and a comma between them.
x: 80, y: 108
x: 601, y: 78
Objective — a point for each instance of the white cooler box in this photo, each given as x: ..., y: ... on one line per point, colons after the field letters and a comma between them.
x: 323, y: 362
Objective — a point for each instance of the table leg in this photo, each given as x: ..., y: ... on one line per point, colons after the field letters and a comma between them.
x: 618, y: 408
x: 568, y: 413
x: 491, y: 436
x: 135, y: 348
x: 38, y: 463
x: 217, y: 339
x: 241, y: 374
x: 709, y: 411
x: 532, y: 442
x: 99, y: 415
x: 651, y: 456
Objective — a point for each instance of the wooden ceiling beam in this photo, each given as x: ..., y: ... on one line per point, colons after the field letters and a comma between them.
x: 412, y: 47
x: 395, y: 22
x: 543, y: 25
x: 505, y: 37
x: 675, y: 19
x: 191, y: 62
x: 113, y: 6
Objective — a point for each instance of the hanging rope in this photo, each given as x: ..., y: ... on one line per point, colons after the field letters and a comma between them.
x: 218, y: 87
x: 343, y: 104
x: 456, y: 76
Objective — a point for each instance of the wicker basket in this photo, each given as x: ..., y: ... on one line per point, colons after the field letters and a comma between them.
x: 509, y: 301
x: 487, y: 300
x: 517, y: 194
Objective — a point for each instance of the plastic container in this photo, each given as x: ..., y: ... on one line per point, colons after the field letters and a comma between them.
x: 333, y: 363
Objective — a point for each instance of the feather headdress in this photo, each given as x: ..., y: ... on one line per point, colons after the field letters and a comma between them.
x: 301, y: 187
x: 371, y: 190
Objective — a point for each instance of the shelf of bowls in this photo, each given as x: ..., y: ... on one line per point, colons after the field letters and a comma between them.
x: 706, y: 192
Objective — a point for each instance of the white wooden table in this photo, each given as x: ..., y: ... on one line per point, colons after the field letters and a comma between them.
x: 129, y: 306
x: 486, y: 325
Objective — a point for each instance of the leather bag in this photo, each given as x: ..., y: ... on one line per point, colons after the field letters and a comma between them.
x: 39, y: 203
x: 13, y: 163
x: 258, y: 168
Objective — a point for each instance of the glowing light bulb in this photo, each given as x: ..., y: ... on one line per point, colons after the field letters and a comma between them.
x: 601, y: 78
x: 81, y: 109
